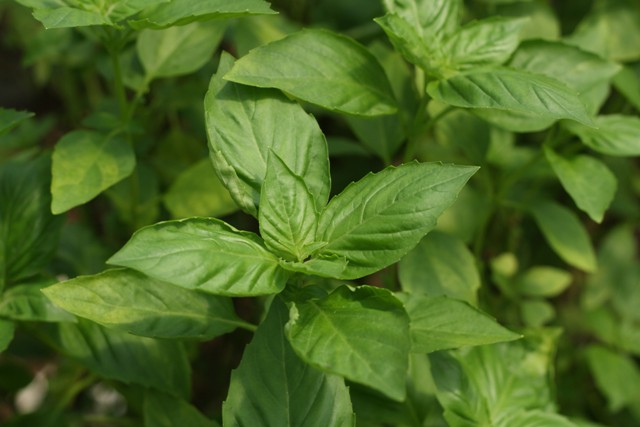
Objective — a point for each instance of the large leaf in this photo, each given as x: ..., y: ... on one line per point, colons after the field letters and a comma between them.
x: 288, y: 216
x: 7, y: 328
x: 440, y: 265
x: 442, y: 323
x: 377, y: 220
x: 10, y: 118
x: 565, y: 234
x: 615, y: 135
x: 179, y: 12
x: 205, y: 254
x: 616, y: 375
x: 27, y: 303
x: 432, y: 19
x: 511, y: 90
x: 85, y: 163
x: 28, y: 231
x: 311, y: 65
x: 160, y: 364
x: 245, y: 124
x: 162, y: 410
x: 178, y: 50
x: 361, y: 334
x: 127, y: 300
x: 490, y: 41
x: 273, y: 387
x: 588, y: 181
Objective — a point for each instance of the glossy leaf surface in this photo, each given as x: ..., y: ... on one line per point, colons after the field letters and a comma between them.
x: 329, y: 333
x: 310, y: 65
x: 204, y: 254
x: 274, y: 387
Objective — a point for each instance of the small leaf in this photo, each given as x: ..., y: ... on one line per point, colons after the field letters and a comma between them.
x: 11, y: 118
x: 177, y: 51
x: 565, y: 234
x: 7, y: 329
x: 129, y: 301
x: 204, y: 254
x: 198, y: 192
x: 245, y: 124
x: 273, y: 387
x: 27, y: 303
x: 311, y: 66
x: 588, y: 181
x: 361, y: 334
x: 440, y: 265
x: 536, y: 313
x: 180, y: 12
x: 615, y: 135
x: 442, y: 323
x: 433, y: 19
x: 160, y: 364
x: 616, y: 375
x: 162, y: 410
x: 489, y: 41
x: 511, y: 90
x: 377, y: 220
x: 288, y: 218
x: 68, y: 17
x: 85, y: 163
x: 543, y: 281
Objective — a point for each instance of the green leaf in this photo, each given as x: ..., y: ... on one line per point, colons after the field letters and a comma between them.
x: 536, y: 313
x: 616, y: 375
x: 245, y: 124
x: 10, y: 118
x: 177, y: 51
x: 27, y: 303
x: 377, y: 220
x: 565, y: 234
x: 7, y: 328
x: 273, y: 387
x: 383, y: 135
x: 361, y: 334
x: 442, y: 323
x: 511, y: 90
x: 588, y: 181
x: 432, y: 19
x: 129, y: 301
x: 485, y: 42
x: 288, y: 217
x: 85, y: 163
x: 627, y: 82
x: 67, y: 17
x: 543, y: 281
x: 180, y: 12
x: 440, y: 265
x: 160, y: 364
x: 162, y: 410
x: 199, y: 192
x: 615, y: 135
x: 28, y: 231
x: 205, y: 254
x: 310, y: 65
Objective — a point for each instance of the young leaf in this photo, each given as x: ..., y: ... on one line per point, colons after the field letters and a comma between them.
x: 69, y: 17
x: 440, y: 265
x: 129, y: 301
x: 588, y: 181
x: 442, y: 323
x: 160, y: 364
x: 542, y: 281
x: 565, y: 234
x: 485, y: 42
x: 361, y: 334
x: 85, y: 163
x: 245, y: 124
x: 377, y: 220
x: 204, y: 254
x: 27, y: 303
x: 10, y: 118
x: 176, y: 51
x: 432, y: 19
x: 288, y: 216
x: 273, y: 387
x: 7, y: 328
x: 162, y: 410
x: 310, y: 65
x: 615, y: 135
x: 180, y: 12
x: 616, y: 375
x: 511, y: 90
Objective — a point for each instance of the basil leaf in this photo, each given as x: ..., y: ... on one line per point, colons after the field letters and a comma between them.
x: 433, y: 19
x: 10, y: 118
x: 377, y: 220
x: 204, y: 254
x: 27, y: 303
x: 162, y: 410
x: 615, y: 135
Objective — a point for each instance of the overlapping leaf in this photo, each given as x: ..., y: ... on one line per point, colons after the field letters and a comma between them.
x: 27, y: 303
x: 432, y: 19
x: 162, y: 410
x: 205, y: 254
x: 615, y: 135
